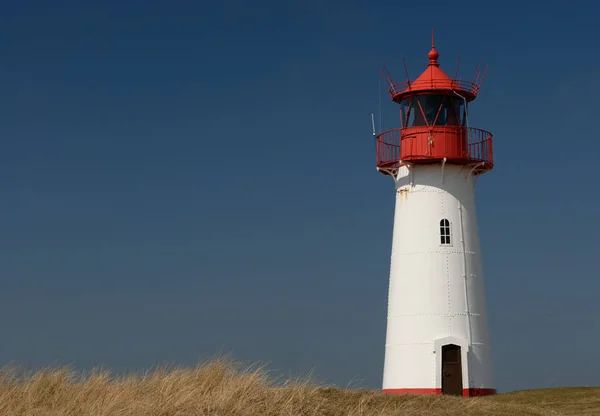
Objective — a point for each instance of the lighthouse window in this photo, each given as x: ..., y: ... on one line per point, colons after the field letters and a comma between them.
x: 448, y: 114
x: 431, y: 105
x: 445, y: 231
x: 461, y: 110
x: 407, y: 115
x: 432, y: 109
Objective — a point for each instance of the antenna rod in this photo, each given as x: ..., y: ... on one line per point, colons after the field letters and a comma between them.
x: 476, y: 73
x: 373, y: 124
x: 392, y: 88
x: 406, y: 70
x: 483, y: 76
x: 457, y: 64
x: 380, y: 114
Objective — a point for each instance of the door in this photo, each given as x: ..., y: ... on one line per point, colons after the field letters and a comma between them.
x: 451, y: 370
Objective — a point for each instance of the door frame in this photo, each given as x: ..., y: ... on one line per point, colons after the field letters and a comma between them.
x: 464, y: 350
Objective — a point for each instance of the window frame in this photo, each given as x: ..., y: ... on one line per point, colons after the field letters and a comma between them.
x: 445, y: 232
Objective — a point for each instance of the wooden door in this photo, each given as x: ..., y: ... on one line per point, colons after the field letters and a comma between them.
x: 451, y: 370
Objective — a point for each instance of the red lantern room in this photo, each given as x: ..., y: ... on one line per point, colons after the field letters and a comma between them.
x: 434, y: 123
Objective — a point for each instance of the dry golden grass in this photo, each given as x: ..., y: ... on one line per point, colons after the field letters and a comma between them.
x: 221, y: 387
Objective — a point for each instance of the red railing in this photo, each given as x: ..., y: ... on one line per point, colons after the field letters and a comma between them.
x: 457, y: 84
x: 388, y: 148
x: 459, y: 145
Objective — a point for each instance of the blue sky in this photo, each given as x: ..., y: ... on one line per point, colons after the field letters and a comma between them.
x: 180, y: 179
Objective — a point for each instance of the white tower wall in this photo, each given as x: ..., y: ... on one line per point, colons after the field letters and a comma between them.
x: 436, y: 291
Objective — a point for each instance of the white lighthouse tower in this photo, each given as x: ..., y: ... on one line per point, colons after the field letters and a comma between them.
x: 437, y: 339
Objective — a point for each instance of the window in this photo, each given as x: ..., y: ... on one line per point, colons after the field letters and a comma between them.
x: 430, y: 109
x: 445, y: 231
x: 461, y: 110
x: 420, y: 110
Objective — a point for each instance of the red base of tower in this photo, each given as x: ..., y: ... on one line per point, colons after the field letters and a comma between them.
x: 466, y: 392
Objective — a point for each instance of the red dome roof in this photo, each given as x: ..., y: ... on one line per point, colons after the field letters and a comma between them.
x: 433, y: 79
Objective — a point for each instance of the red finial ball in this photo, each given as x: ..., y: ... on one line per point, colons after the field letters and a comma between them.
x: 433, y: 55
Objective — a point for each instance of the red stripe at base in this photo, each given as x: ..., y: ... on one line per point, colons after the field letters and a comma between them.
x: 413, y: 391
x: 466, y: 392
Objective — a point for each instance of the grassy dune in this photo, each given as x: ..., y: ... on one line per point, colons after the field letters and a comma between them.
x: 221, y: 387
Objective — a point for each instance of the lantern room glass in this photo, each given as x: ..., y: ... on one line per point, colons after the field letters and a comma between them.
x: 438, y: 110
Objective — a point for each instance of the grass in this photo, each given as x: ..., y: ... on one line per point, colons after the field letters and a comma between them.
x: 222, y: 387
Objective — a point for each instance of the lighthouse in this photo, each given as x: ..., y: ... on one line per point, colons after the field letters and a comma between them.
x: 437, y: 338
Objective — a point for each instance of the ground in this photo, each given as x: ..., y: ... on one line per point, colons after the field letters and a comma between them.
x: 220, y: 387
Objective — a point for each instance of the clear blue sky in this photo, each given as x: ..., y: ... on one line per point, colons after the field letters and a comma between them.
x: 183, y: 178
